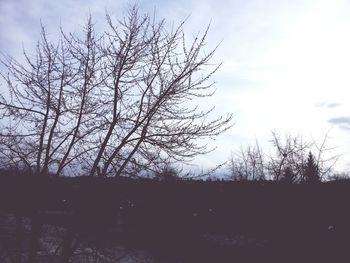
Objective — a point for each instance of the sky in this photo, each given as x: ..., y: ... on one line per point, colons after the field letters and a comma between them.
x: 285, y: 64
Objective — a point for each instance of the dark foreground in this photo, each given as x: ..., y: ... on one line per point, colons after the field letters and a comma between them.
x: 123, y: 220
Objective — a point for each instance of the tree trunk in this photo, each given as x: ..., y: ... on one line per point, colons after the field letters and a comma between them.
x: 19, y: 238
x: 34, y: 237
x: 68, y: 246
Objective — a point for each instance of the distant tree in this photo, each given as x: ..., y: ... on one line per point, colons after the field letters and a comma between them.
x: 117, y: 103
x: 248, y: 164
x: 168, y: 173
x: 340, y: 176
x: 290, y: 154
x: 288, y: 163
x: 311, y: 171
x: 288, y: 176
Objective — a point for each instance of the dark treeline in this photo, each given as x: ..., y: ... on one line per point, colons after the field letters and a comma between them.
x: 171, y: 216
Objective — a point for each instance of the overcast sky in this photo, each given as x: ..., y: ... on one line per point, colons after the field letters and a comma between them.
x: 286, y: 64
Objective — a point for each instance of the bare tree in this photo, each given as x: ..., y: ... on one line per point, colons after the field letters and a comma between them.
x: 248, y: 164
x: 288, y: 162
x: 295, y: 154
x: 109, y: 104
x: 290, y: 153
x: 325, y: 158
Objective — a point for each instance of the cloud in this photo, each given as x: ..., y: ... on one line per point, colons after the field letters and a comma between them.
x: 345, y: 127
x: 326, y: 104
x: 342, y: 122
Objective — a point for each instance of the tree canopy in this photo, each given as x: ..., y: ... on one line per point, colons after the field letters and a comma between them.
x: 118, y: 102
